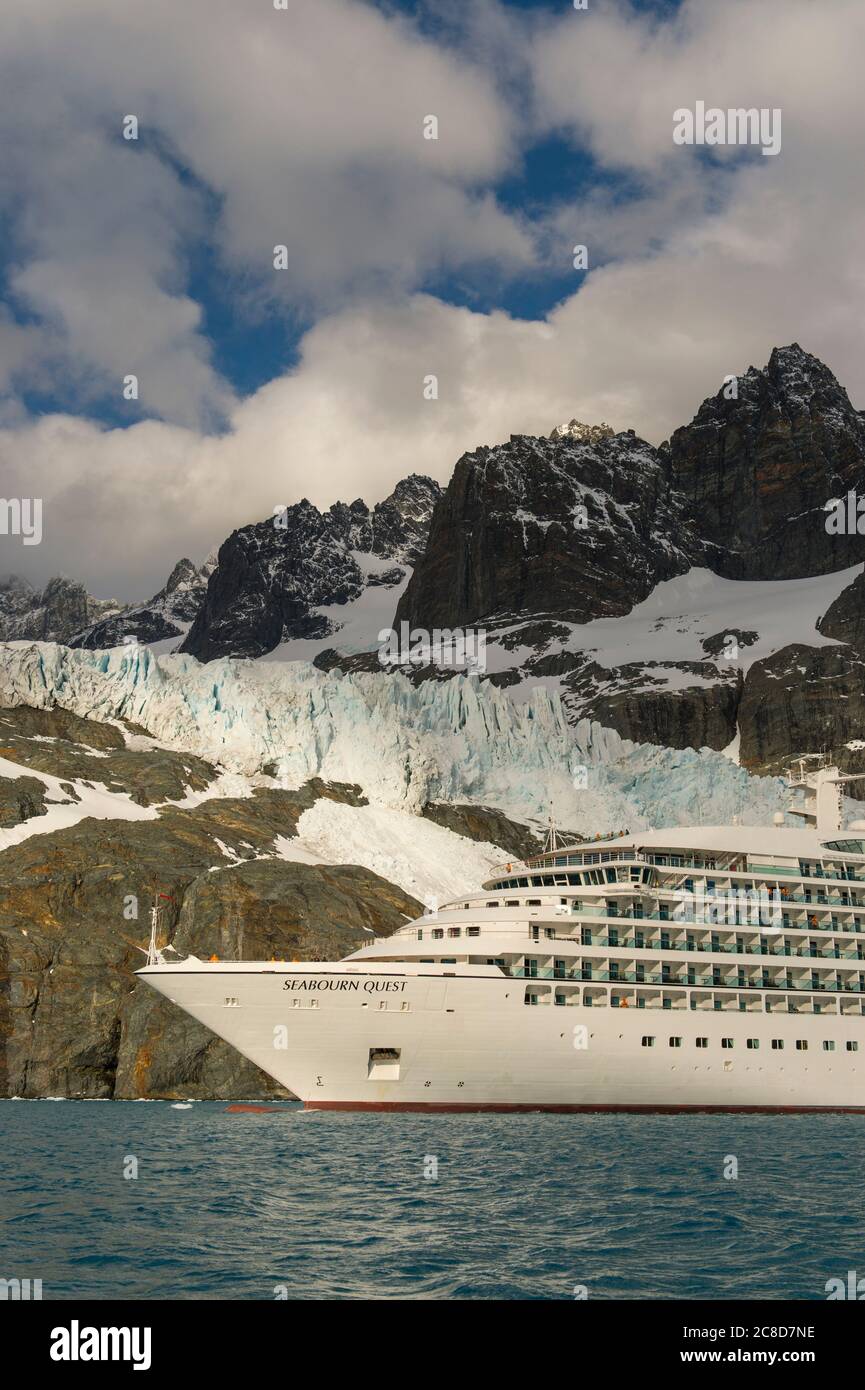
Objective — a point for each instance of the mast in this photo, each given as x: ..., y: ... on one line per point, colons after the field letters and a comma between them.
x: 154, y: 955
x: 551, y: 843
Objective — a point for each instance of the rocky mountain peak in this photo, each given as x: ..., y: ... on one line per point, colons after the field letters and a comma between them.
x: 53, y: 615
x: 575, y: 429
x: 164, y: 617
x: 181, y: 576
x: 273, y: 577
x: 545, y: 529
x: 759, y: 461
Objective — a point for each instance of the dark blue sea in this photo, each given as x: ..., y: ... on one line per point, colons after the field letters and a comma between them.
x: 315, y: 1205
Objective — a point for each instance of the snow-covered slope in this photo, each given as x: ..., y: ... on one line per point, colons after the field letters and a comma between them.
x: 404, y: 745
x: 672, y: 629
x: 429, y: 861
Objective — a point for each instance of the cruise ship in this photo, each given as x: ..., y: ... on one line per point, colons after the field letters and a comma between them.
x: 706, y: 969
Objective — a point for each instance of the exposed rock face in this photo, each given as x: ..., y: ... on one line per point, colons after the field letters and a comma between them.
x: 758, y: 470
x: 20, y: 799
x: 803, y: 701
x: 272, y: 576
x: 168, y: 614
x: 741, y: 492
x: 486, y: 824
x: 54, y: 615
x: 74, y: 916
x: 845, y: 618
x: 641, y: 703
x: 275, y: 910
x: 542, y: 529
x: 64, y: 745
x: 588, y: 434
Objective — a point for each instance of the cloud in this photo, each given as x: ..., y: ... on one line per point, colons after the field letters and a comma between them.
x: 699, y: 272
x: 256, y: 128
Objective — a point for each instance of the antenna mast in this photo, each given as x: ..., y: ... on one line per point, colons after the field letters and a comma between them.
x: 154, y: 955
x: 551, y: 843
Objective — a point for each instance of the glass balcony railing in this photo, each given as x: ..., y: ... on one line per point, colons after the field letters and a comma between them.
x: 624, y: 977
x: 680, y: 918
x: 705, y: 948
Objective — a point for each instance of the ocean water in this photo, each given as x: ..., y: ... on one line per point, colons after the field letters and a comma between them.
x: 319, y: 1205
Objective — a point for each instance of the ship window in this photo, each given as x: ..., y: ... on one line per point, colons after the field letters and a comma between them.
x: 675, y: 1042
x: 777, y: 1044
x: 533, y: 902
x: 727, y: 1042
x: 753, y: 1043
x: 512, y: 902
x: 438, y: 933
x: 531, y: 997
x: 852, y: 1047
x: 828, y: 1045
x: 801, y: 1045
x: 454, y: 931
x: 230, y: 1002
x: 648, y: 1042
x: 493, y: 904
x: 473, y: 931
x: 420, y: 934
x: 702, y: 1042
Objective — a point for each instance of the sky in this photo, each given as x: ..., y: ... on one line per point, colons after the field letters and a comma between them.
x: 406, y: 258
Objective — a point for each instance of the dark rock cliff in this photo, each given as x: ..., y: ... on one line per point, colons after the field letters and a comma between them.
x: 271, y: 576
x: 758, y: 470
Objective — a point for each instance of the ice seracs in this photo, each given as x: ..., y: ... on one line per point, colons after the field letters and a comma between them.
x: 459, y: 740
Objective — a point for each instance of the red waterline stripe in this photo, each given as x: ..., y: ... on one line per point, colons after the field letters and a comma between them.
x: 497, y: 1107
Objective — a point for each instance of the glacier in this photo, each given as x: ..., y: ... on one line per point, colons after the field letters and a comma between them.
x: 404, y: 745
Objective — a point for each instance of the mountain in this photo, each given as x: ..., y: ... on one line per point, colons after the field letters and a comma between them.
x: 698, y: 566
x: 757, y: 470
x: 52, y: 615
x: 537, y: 532
x: 660, y: 592
x: 299, y: 575
x: 168, y: 615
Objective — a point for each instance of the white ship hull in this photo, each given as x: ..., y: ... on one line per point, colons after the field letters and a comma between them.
x: 469, y: 1043
x: 701, y: 968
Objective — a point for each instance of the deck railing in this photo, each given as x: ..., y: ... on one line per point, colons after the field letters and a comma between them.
x: 698, y: 982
